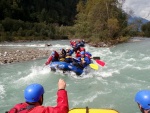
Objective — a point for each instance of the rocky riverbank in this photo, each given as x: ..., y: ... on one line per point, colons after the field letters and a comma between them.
x: 21, y: 54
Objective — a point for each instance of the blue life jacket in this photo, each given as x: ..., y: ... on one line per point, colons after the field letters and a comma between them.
x: 86, y: 59
x: 68, y: 58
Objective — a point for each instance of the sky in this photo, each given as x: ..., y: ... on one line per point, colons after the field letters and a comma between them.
x: 139, y: 8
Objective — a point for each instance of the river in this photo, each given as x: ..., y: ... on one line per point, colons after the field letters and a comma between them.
x: 114, y: 86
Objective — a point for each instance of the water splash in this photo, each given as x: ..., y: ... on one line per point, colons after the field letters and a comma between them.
x: 33, y: 75
x: 2, y: 92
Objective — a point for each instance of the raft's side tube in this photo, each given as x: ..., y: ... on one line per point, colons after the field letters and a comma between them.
x: 92, y: 110
x: 66, y: 67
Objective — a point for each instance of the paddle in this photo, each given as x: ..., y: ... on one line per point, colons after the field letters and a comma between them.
x: 94, y: 66
x: 100, y: 62
x: 96, y: 58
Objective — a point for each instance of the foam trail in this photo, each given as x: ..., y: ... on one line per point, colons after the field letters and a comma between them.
x: 34, y: 74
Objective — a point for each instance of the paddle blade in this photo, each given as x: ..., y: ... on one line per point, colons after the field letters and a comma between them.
x: 94, y: 66
x: 100, y: 62
x: 96, y: 58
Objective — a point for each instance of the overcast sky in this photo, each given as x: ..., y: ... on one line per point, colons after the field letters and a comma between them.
x: 140, y: 8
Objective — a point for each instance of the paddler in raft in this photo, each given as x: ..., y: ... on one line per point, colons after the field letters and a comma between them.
x: 87, y: 54
x: 62, y: 55
x: 52, y: 58
x: 68, y: 57
x: 82, y: 61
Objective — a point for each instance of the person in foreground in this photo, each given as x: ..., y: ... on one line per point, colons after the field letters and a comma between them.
x: 143, y: 100
x: 33, y: 95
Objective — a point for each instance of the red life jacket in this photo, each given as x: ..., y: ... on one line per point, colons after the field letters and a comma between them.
x: 21, y: 108
x: 78, y: 54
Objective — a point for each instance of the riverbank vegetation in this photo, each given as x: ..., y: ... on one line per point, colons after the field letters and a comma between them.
x: 92, y: 20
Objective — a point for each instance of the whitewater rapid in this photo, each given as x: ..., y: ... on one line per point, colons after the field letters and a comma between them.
x: 112, y: 86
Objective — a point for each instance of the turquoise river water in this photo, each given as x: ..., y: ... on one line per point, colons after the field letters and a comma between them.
x: 114, y: 86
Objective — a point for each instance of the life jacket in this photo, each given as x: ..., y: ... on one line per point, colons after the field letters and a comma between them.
x: 63, y: 52
x: 68, y: 57
x: 62, y: 57
x: 21, y: 108
x: 87, y: 54
x: 87, y: 61
x: 77, y: 54
x: 72, y: 43
x: 69, y: 53
x: 82, y: 59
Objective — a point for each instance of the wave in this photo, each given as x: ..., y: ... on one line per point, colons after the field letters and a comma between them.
x: 33, y: 75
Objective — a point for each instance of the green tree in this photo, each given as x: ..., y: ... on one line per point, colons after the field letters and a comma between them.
x: 146, y: 28
x: 101, y: 19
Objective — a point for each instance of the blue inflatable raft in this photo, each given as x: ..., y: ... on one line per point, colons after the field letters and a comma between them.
x: 66, y: 67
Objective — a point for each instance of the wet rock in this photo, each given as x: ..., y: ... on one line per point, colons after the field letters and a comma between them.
x: 48, y: 45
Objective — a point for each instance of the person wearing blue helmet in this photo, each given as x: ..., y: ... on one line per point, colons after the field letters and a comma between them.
x: 33, y: 95
x: 83, y: 61
x: 68, y: 57
x: 143, y: 100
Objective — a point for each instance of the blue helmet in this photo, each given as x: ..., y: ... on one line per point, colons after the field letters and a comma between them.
x: 33, y: 92
x: 143, y: 98
x: 52, y: 53
x: 82, y: 52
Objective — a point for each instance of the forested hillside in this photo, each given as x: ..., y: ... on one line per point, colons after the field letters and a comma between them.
x: 93, y: 20
x: 49, y: 11
x: 34, y: 19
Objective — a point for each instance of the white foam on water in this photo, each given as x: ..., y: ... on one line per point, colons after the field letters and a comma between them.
x: 146, y: 59
x: 35, y: 73
x: 19, y: 72
x: 89, y: 97
x: 137, y: 67
x: 2, y: 92
x: 131, y: 59
x: 22, y: 45
x: 82, y: 76
x: 127, y: 66
x: 59, y: 46
x: 142, y: 67
x: 141, y: 55
x: 109, y: 73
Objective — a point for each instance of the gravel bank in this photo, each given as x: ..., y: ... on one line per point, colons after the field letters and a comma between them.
x: 12, y: 55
